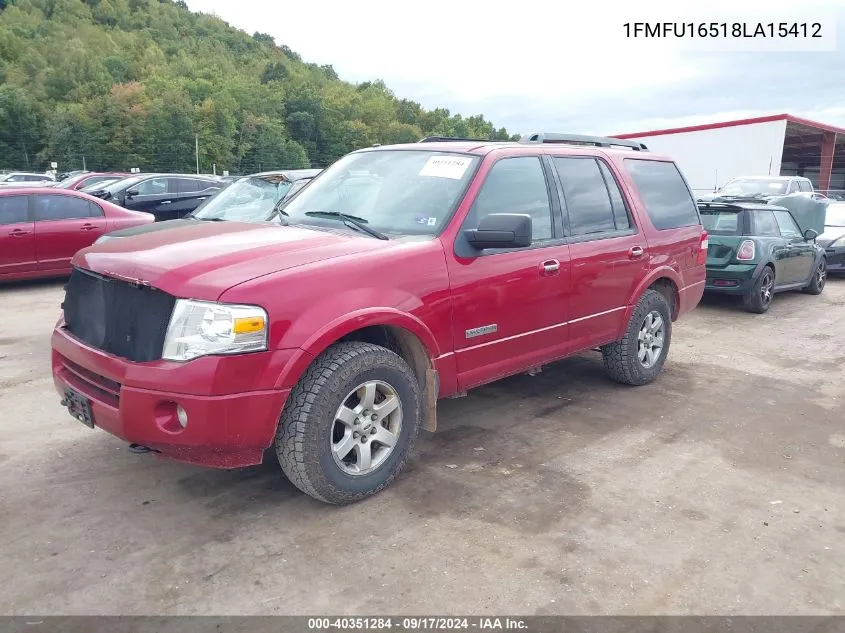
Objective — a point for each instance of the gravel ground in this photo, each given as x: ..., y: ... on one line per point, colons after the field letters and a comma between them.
x: 718, y: 489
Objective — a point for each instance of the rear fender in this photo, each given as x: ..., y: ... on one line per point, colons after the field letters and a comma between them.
x: 664, y: 272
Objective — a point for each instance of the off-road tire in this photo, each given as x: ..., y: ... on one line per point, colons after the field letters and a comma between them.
x: 817, y: 283
x: 303, y: 444
x: 753, y: 300
x: 620, y: 357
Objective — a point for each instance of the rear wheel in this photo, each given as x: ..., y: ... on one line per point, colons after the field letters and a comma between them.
x: 817, y: 283
x: 350, y: 423
x: 759, y: 298
x: 638, y: 356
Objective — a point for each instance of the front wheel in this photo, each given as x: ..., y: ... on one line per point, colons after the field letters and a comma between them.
x: 350, y: 423
x: 816, y: 284
x: 638, y: 356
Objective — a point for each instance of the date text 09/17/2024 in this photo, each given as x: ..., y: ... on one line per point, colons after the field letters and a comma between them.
x: 416, y: 623
x: 703, y: 30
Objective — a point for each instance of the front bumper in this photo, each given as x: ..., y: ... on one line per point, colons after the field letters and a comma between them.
x: 232, y: 402
x: 835, y: 256
x: 735, y: 279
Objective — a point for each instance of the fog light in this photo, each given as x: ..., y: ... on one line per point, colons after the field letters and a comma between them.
x: 182, y: 415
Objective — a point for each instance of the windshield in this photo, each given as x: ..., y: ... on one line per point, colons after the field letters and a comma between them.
x: 720, y: 222
x: 405, y: 192
x: 69, y: 182
x: 249, y: 199
x: 752, y: 186
x: 835, y: 215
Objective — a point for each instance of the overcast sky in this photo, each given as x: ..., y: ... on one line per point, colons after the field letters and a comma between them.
x: 566, y: 65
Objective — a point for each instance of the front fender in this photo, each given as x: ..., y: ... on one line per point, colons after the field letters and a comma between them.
x: 339, y: 327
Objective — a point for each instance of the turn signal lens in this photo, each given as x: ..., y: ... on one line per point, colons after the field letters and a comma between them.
x: 245, y: 325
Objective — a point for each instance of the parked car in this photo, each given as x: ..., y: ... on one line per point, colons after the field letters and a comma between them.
x: 25, y: 179
x: 41, y: 229
x: 166, y: 196
x: 762, y: 188
x: 757, y: 250
x: 81, y: 181
x: 248, y: 199
x: 402, y: 274
x: 99, y: 186
x: 832, y: 240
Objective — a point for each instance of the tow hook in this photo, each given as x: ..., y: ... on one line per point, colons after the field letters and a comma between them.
x: 138, y: 449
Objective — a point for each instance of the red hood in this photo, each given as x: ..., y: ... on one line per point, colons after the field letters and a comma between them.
x: 203, y: 260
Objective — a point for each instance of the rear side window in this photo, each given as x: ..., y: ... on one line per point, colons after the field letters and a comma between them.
x: 190, y: 185
x: 587, y: 198
x: 721, y: 222
x: 788, y: 227
x: 13, y: 209
x: 763, y: 223
x: 804, y: 185
x: 34, y: 178
x: 667, y: 200
x: 153, y: 186
x: 60, y: 208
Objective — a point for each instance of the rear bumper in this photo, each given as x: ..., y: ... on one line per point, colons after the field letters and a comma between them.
x: 224, y: 430
x: 735, y: 279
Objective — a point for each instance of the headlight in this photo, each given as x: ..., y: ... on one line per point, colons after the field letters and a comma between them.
x: 200, y: 328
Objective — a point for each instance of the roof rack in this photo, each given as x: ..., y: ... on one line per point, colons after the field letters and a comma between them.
x: 440, y: 139
x: 582, y: 139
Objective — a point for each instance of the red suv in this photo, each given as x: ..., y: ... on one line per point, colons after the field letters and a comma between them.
x: 399, y: 275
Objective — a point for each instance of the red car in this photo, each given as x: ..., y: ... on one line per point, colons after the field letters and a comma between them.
x: 399, y: 275
x: 80, y: 181
x: 41, y: 228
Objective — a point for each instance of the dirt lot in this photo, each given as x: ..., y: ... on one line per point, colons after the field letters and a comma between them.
x: 718, y: 489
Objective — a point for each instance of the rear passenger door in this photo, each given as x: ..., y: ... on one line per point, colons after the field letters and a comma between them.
x: 672, y: 211
x: 17, y: 236
x: 608, y: 252
x: 510, y: 307
x: 64, y: 225
x: 190, y: 193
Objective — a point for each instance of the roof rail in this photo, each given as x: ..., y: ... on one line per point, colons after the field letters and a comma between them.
x: 582, y: 139
x: 439, y: 139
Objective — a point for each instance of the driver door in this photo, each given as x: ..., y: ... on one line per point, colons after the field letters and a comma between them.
x: 510, y: 306
x: 801, y: 256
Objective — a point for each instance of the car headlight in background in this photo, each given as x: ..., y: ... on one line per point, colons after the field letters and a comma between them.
x: 201, y: 328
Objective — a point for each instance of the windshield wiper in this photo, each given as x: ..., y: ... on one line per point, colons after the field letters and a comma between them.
x: 349, y: 220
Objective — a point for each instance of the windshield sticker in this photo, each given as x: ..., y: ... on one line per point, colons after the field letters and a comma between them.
x: 452, y: 167
x: 432, y: 221
x: 425, y: 221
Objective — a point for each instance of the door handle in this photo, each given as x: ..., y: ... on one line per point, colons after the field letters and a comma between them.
x: 549, y: 267
x: 18, y: 233
x: 165, y: 202
x: 88, y: 227
x: 635, y: 251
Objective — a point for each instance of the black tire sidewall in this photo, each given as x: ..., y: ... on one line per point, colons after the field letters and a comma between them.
x: 652, y: 301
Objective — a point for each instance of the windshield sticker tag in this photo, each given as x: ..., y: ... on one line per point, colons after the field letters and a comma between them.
x: 452, y: 167
x: 425, y: 221
x: 432, y: 221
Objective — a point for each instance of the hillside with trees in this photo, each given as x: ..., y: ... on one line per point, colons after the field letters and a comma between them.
x: 132, y: 83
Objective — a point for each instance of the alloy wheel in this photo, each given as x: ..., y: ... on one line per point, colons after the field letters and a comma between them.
x: 650, y: 339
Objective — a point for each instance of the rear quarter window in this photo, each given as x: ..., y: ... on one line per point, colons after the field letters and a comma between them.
x: 664, y: 193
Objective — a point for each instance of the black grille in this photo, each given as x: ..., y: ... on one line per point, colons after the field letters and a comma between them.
x: 116, y: 316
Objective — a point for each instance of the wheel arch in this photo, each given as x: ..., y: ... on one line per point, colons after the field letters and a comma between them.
x: 667, y: 282
x: 397, y: 331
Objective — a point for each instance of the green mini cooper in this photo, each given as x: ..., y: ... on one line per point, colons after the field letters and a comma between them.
x: 756, y: 250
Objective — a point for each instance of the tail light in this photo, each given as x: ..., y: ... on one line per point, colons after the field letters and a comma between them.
x: 746, y: 251
x: 702, y: 249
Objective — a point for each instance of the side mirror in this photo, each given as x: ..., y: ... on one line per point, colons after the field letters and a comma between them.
x: 810, y: 234
x: 501, y: 230
x: 130, y: 193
